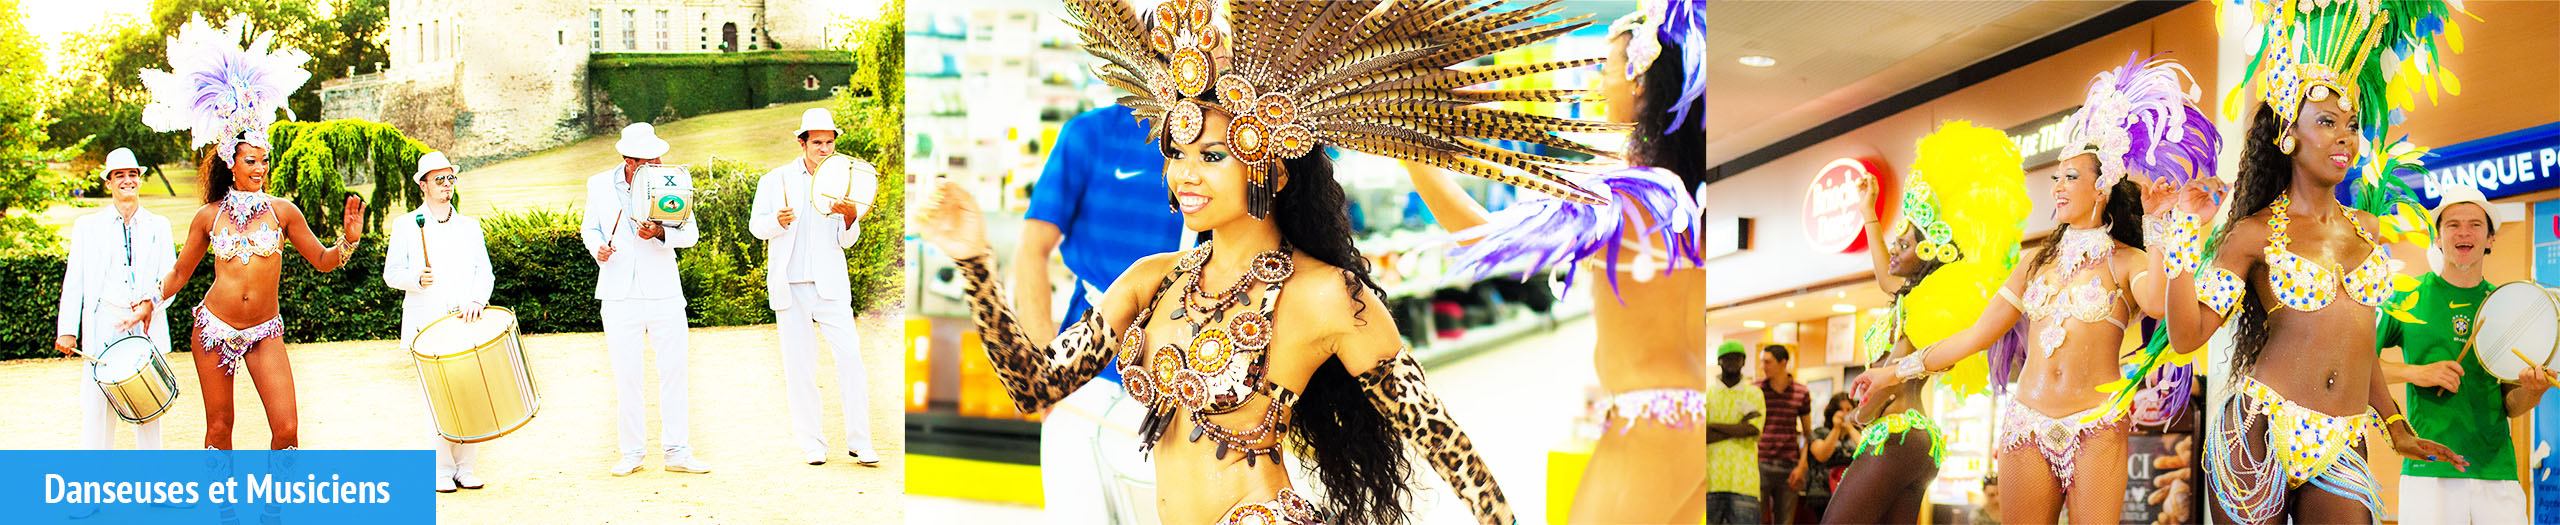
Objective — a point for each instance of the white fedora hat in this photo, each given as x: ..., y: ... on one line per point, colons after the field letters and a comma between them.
x: 817, y: 119
x: 2460, y: 193
x: 120, y: 159
x: 429, y: 163
x: 640, y: 141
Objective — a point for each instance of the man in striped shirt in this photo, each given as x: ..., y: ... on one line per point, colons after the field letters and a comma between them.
x: 1782, y: 466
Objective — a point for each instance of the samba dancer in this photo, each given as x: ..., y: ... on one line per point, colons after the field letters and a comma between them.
x: 2303, y: 275
x: 806, y: 284
x: 2063, y: 437
x: 1650, y: 351
x: 643, y: 303
x: 439, y: 231
x: 1273, y: 330
x: 108, y: 283
x: 2453, y: 399
x: 1954, y: 239
x: 240, y: 225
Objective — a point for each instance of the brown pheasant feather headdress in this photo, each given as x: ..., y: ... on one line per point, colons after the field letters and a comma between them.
x: 1373, y: 76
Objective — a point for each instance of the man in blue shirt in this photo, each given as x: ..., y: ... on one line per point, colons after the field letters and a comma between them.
x: 1101, y: 203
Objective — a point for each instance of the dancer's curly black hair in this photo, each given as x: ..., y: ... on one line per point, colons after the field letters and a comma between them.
x: 2265, y: 173
x: 1354, y: 451
x: 1654, y: 142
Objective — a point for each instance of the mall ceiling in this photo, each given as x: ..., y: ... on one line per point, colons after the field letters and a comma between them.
x: 1834, y: 57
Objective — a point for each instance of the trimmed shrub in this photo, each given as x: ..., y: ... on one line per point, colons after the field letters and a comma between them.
x: 644, y: 87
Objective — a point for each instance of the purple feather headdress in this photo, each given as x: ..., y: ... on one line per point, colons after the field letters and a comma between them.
x: 2142, y: 118
x: 1683, y: 22
x: 225, y: 94
x: 1551, y: 233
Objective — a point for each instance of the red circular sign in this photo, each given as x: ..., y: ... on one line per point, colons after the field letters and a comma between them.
x: 1832, y: 221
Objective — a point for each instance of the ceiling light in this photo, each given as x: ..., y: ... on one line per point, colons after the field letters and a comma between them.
x: 1754, y: 324
x: 1758, y: 61
x: 1791, y: 304
x: 1844, y: 294
x: 1843, y: 308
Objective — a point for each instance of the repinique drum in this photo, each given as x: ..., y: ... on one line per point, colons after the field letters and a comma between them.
x: 666, y: 190
x: 2521, y: 317
x: 136, y: 379
x: 474, y: 376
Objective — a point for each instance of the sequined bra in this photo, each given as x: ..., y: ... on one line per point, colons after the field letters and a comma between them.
x: 237, y: 236
x: 1221, y: 367
x: 2049, y: 301
x: 2303, y: 284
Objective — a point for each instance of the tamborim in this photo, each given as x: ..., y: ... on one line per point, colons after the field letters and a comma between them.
x: 2521, y: 317
x: 843, y: 178
x: 136, y: 379
x: 474, y: 376
x: 666, y: 193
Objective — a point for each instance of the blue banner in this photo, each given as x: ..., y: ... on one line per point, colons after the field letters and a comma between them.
x: 209, y: 486
x: 2505, y: 165
x: 2546, y: 417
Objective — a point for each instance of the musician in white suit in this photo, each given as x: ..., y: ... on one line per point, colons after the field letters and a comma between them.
x: 440, y: 258
x: 805, y: 236
x: 643, y: 302
x: 110, y: 284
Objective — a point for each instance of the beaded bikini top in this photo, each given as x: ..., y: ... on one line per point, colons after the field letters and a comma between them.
x: 1221, y: 366
x: 2089, y: 301
x: 2303, y: 284
x: 239, y: 236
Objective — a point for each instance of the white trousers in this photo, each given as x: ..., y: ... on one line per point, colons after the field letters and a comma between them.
x: 2458, y: 500
x: 98, y: 420
x: 800, y: 360
x: 1072, y: 476
x: 451, y: 458
x: 656, y: 323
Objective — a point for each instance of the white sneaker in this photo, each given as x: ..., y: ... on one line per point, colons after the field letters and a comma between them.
x: 814, y: 458
x: 630, y: 463
x: 468, y: 481
x: 444, y: 484
x: 686, y: 463
x: 864, y: 456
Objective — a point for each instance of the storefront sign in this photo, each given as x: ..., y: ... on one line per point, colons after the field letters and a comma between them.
x: 1832, y: 221
x: 2038, y: 139
x: 2508, y: 164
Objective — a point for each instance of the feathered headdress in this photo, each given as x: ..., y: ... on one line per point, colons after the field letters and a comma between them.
x: 226, y: 94
x: 1977, y: 190
x: 2141, y: 118
x: 1677, y: 21
x: 2374, y: 54
x: 1365, y: 75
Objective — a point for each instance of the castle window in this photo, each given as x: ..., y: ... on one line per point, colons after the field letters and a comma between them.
x: 595, y: 30
x: 630, y: 30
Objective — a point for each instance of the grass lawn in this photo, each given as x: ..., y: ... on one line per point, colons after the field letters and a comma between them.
x: 552, y: 178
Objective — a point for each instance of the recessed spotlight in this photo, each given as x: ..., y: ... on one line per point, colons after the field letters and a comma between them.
x: 1791, y: 304
x: 1754, y: 324
x: 1844, y: 294
x: 1842, y: 308
x: 1758, y: 61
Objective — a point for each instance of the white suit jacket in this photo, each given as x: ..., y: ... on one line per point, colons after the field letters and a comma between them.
x: 641, y: 268
x: 825, y: 267
x: 461, y: 257
x: 91, y: 299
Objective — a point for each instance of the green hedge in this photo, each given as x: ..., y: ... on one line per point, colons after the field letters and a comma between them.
x: 646, y: 86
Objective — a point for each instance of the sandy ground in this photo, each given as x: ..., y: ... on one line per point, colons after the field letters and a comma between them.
x: 364, y: 395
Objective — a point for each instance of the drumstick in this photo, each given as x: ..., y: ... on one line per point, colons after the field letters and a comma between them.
x: 85, y: 355
x: 422, y: 241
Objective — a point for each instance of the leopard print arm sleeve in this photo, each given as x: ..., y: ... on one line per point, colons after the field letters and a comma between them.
x: 1395, y: 387
x: 1035, y: 377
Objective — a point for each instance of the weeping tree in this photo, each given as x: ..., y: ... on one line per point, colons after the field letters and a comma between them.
x: 314, y: 161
